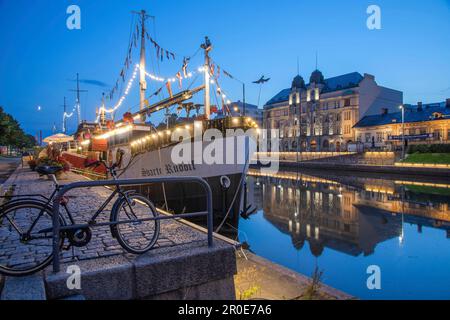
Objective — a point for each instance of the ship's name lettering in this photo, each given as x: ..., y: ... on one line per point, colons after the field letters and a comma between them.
x: 151, y: 172
x: 171, y: 169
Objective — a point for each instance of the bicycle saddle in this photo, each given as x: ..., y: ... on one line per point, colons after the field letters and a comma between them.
x: 46, y: 170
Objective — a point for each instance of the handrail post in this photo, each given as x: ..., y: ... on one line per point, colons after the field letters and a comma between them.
x: 210, y: 218
x: 77, y: 185
x: 56, y: 235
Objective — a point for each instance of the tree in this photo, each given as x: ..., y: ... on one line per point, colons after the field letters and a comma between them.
x: 11, y: 134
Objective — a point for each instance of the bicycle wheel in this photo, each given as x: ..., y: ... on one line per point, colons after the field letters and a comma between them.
x: 26, y: 238
x: 136, y: 237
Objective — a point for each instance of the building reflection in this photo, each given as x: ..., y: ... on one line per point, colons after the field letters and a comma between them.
x: 351, y: 216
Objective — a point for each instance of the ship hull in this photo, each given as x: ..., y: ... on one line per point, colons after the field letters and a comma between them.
x: 189, y: 197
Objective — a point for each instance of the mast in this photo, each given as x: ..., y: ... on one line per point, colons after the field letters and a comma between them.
x: 207, y: 47
x: 142, y: 81
x: 64, y: 117
x: 102, y: 111
x: 78, y: 90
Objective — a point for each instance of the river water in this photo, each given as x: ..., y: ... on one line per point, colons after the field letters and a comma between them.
x: 347, y: 226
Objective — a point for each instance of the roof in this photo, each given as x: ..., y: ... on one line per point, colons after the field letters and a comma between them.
x: 282, y: 96
x: 412, y: 114
x: 345, y: 81
x: 240, y: 105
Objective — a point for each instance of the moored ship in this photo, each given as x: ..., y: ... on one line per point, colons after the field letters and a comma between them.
x: 199, y: 145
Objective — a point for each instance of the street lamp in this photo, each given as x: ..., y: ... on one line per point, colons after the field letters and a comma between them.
x: 402, y: 107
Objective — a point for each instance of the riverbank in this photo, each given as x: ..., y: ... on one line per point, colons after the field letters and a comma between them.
x: 252, y: 277
x: 406, y: 170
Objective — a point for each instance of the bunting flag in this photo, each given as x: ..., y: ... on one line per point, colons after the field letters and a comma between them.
x: 218, y: 72
x: 227, y: 74
x: 212, y: 68
x: 161, y: 52
x: 185, y: 65
x: 157, y: 92
x: 180, y: 80
x: 169, y: 88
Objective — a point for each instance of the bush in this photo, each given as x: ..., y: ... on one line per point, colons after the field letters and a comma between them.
x: 429, y: 148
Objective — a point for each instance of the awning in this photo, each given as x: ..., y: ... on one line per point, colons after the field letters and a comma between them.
x: 58, y: 138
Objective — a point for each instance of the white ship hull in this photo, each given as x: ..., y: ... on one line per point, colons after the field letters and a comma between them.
x: 189, y: 197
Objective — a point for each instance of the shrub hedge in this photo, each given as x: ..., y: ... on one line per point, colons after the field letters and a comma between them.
x: 429, y: 148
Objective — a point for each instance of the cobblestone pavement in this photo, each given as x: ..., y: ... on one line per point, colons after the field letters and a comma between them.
x: 83, y: 203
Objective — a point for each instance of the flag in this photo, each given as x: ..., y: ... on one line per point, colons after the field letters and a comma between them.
x: 180, y: 81
x: 227, y: 74
x: 169, y: 88
x: 185, y: 65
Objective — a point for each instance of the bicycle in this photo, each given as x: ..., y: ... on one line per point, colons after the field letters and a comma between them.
x: 26, y: 228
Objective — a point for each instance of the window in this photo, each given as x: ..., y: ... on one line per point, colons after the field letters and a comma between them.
x: 347, y: 103
x: 368, y: 138
x: 379, y: 137
x: 338, y: 117
x: 347, y: 115
x: 346, y: 129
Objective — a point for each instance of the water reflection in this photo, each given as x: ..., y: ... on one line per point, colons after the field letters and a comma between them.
x: 347, y: 214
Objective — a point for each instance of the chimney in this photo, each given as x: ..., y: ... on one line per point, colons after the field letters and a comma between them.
x: 447, y: 103
x: 369, y: 76
x: 419, y: 106
x: 384, y: 111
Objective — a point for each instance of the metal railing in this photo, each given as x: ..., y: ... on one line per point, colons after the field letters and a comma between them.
x: 123, y: 183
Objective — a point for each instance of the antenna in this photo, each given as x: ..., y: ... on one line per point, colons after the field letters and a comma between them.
x: 78, y: 107
x: 317, y: 59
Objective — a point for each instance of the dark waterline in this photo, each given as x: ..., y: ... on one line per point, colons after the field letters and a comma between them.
x: 342, y: 224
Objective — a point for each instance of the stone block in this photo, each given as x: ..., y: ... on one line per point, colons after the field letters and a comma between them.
x: 101, y: 279
x: 25, y: 288
x: 188, y: 266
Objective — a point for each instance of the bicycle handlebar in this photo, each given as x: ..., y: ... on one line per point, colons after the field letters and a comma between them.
x: 113, y: 167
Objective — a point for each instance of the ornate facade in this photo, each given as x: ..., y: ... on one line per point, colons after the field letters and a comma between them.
x: 423, y: 124
x: 320, y: 116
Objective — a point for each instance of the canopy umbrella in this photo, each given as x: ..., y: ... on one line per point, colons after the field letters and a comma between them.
x: 58, y: 138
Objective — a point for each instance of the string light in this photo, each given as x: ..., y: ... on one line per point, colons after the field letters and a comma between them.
x: 112, y: 133
x: 122, y: 99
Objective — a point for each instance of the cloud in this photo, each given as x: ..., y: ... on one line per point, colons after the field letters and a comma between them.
x: 92, y: 82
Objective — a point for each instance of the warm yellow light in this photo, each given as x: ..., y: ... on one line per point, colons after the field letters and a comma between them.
x: 168, y: 132
x: 85, y: 142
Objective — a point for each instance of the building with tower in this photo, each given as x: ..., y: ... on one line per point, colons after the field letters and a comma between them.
x: 320, y: 115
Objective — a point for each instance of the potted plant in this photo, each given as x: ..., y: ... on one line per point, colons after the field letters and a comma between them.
x: 32, y: 164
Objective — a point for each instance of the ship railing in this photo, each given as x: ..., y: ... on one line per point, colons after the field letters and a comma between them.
x: 129, y: 183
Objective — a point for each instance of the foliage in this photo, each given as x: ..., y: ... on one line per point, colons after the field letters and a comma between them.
x: 11, y: 134
x: 59, y: 162
x: 312, y: 292
x: 429, y: 148
x: 246, y: 283
x: 32, y: 164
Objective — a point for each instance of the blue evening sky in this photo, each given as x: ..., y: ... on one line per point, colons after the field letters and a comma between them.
x: 39, y: 56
